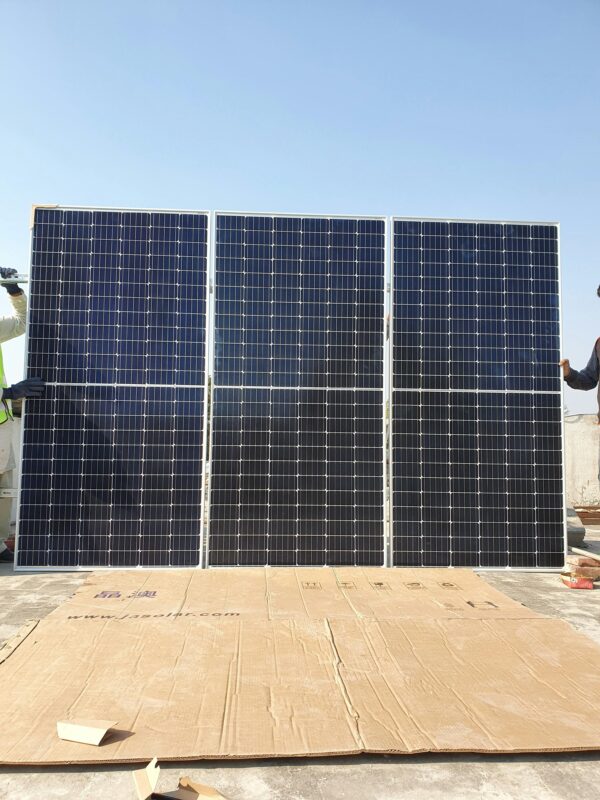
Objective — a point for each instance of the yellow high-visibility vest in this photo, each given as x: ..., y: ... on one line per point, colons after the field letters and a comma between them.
x: 5, y: 406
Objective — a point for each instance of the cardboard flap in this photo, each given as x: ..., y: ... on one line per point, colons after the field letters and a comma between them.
x: 145, y: 780
x: 84, y: 731
x: 192, y: 790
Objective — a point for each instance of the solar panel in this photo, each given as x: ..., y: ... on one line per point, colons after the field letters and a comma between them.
x: 476, y: 449
x: 297, y: 419
x: 113, y: 453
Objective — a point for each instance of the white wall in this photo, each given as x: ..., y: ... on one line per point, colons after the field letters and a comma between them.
x: 582, y: 449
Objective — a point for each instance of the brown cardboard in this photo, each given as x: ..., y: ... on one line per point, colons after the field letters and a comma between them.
x: 145, y: 780
x: 17, y: 639
x: 84, y: 731
x: 284, y: 594
x: 191, y: 790
x: 291, y: 662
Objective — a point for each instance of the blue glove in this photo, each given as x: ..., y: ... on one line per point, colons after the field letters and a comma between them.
x: 11, y: 288
x: 30, y: 387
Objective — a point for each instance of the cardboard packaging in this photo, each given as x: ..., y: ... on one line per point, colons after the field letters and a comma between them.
x: 254, y: 663
x: 145, y: 782
x: 84, y: 731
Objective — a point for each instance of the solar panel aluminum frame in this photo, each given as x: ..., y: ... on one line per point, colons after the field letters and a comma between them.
x: 388, y: 382
x: 387, y: 390
x: 204, y: 387
x: 210, y: 386
x: 384, y: 389
x: 562, y: 402
x: 390, y: 372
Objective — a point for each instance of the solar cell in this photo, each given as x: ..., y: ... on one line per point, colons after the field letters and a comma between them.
x: 297, y: 449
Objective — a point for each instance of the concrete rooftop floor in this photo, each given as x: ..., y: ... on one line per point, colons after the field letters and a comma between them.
x: 25, y: 596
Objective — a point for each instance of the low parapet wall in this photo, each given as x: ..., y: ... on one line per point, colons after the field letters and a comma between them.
x: 582, y: 455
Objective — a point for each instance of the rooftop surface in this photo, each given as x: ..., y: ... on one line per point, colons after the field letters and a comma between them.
x: 25, y: 596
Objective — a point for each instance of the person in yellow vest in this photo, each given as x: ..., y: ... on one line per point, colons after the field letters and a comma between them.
x: 11, y: 327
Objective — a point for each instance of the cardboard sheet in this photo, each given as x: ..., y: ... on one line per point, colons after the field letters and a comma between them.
x: 281, y: 662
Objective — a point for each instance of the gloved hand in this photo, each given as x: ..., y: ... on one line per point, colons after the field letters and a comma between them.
x: 30, y: 387
x: 5, y: 274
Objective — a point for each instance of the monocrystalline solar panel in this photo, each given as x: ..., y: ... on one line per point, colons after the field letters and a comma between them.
x: 297, y: 419
x: 476, y: 455
x: 113, y: 453
x: 112, y: 460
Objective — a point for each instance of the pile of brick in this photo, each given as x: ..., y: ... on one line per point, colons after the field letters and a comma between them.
x: 582, y: 570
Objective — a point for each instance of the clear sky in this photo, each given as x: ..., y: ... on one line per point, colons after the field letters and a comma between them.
x: 471, y: 108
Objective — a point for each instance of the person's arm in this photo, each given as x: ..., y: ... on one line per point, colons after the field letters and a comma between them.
x: 11, y: 327
x: 585, y: 379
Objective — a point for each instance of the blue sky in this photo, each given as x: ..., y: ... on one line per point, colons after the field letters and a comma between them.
x: 464, y: 109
